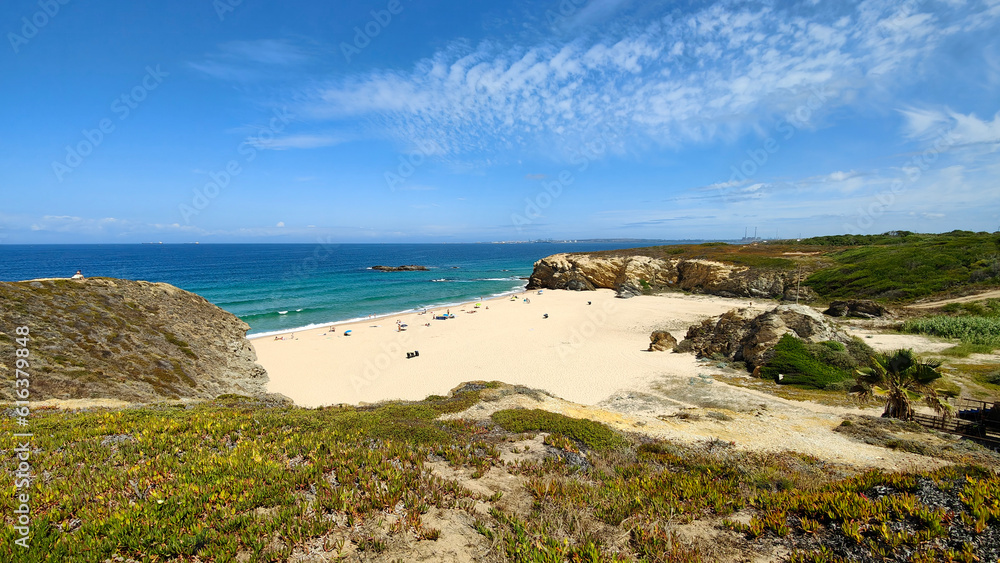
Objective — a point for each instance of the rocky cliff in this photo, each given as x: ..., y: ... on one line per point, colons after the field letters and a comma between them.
x: 741, y: 335
x: 633, y: 275
x: 121, y: 339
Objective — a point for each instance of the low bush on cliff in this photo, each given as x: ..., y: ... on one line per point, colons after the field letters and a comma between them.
x: 594, y: 435
x: 817, y: 365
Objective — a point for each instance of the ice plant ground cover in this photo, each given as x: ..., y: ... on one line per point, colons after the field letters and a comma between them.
x: 239, y: 477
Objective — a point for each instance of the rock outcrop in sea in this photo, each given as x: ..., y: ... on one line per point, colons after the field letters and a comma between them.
x: 121, y: 339
x: 403, y: 268
x: 635, y: 275
x: 742, y: 336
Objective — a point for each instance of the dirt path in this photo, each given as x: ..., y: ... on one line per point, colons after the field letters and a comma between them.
x: 966, y: 299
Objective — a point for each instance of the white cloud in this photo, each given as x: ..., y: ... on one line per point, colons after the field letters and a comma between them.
x: 961, y: 129
x: 280, y: 224
x: 713, y: 74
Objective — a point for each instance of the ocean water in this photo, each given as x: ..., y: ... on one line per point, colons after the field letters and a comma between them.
x: 283, y: 287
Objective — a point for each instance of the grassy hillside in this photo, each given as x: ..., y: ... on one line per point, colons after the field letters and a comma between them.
x: 240, y: 479
x: 898, y: 266
x: 908, y: 266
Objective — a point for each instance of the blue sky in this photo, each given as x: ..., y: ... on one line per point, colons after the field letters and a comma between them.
x: 422, y: 121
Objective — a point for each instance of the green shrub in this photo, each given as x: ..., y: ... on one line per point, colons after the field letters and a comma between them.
x: 797, y: 365
x: 859, y: 351
x: 842, y: 385
x: 969, y: 329
x: 594, y: 435
x: 833, y: 345
x: 832, y: 356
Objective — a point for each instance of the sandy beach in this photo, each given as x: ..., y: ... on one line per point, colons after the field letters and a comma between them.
x: 591, y: 358
x: 582, y: 353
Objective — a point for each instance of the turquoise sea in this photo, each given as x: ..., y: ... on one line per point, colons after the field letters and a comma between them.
x: 281, y: 287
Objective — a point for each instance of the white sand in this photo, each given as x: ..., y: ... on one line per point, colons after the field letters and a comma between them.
x: 592, y: 358
x: 582, y: 353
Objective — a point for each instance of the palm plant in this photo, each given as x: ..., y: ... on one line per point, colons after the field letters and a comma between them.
x: 899, y: 377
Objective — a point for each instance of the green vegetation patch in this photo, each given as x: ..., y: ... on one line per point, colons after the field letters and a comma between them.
x: 244, y: 478
x: 221, y: 483
x: 797, y: 363
x: 987, y: 308
x: 594, y: 435
x: 969, y: 329
x: 903, y: 266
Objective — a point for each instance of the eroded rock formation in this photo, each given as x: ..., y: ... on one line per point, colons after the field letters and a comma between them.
x: 739, y: 335
x: 633, y: 275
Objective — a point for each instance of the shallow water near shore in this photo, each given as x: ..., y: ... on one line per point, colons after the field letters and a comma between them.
x: 284, y: 287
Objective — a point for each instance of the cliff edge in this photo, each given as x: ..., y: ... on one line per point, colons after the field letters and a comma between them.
x: 122, y: 339
x: 634, y: 275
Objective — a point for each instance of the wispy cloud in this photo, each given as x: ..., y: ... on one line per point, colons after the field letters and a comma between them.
x: 303, y: 141
x: 245, y: 61
x: 713, y: 74
x: 963, y: 130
